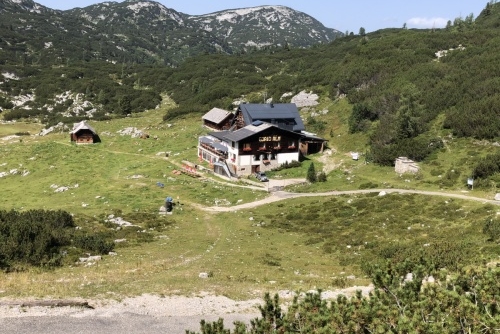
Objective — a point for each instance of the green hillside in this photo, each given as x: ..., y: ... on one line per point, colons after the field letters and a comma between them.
x: 431, y: 95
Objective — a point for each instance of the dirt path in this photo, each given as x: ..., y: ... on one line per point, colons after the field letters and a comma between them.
x: 282, y: 195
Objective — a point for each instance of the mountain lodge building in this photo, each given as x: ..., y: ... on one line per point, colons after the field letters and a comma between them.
x: 257, y: 138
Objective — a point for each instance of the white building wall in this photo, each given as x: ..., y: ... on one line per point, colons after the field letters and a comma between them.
x: 287, y: 157
x: 245, y: 160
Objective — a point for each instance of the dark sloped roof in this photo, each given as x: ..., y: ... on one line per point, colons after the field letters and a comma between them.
x: 246, y: 132
x: 82, y: 126
x: 283, y: 115
x: 216, y: 115
x: 221, y: 135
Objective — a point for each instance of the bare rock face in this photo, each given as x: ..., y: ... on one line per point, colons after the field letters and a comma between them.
x: 304, y: 99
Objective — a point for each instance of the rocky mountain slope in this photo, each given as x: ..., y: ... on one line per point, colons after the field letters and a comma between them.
x: 146, y: 32
x: 266, y: 26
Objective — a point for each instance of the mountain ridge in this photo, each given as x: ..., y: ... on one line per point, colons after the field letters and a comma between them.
x: 145, y: 31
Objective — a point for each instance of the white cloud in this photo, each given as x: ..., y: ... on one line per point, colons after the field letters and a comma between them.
x: 424, y: 22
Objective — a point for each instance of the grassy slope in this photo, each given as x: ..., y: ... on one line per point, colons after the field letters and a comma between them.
x: 244, y: 256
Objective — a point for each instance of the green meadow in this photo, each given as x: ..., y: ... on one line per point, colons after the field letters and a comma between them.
x: 295, y: 244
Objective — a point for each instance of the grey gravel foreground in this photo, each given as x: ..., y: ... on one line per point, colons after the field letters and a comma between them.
x: 122, y: 324
x: 140, y: 314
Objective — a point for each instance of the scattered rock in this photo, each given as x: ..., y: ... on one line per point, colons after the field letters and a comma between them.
x: 118, y: 221
x: 90, y: 258
x: 59, y: 127
x: 61, y: 189
x: 131, y: 131
x: 430, y: 279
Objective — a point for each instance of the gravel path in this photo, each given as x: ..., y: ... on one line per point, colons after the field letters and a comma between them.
x: 282, y: 195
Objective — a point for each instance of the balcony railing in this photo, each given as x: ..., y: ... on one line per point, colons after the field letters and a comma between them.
x: 214, y: 151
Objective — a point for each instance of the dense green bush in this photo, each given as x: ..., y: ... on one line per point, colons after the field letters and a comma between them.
x: 491, y: 228
x: 360, y: 118
x: 486, y: 167
x: 34, y: 237
x: 287, y: 165
x: 95, y: 243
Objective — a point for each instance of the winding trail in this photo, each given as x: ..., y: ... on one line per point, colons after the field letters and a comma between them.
x: 283, y: 195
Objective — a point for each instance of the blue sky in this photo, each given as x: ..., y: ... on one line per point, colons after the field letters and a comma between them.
x: 341, y: 15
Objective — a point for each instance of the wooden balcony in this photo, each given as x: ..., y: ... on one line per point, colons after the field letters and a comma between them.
x: 209, y: 148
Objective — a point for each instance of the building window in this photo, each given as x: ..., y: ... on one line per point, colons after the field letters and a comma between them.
x: 247, y: 147
x: 256, y: 157
x: 291, y: 144
x: 232, y: 144
x: 262, y: 146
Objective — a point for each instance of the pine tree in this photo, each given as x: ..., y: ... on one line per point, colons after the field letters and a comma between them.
x: 311, y: 173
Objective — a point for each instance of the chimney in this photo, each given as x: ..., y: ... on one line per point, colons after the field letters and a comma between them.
x: 272, y: 105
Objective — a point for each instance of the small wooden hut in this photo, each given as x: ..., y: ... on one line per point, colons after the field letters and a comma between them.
x: 83, y: 133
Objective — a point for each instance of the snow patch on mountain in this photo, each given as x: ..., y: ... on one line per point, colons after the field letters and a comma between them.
x: 165, y: 13
x: 232, y: 15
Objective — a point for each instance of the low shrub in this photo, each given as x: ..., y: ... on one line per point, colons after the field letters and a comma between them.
x: 98, y: 243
